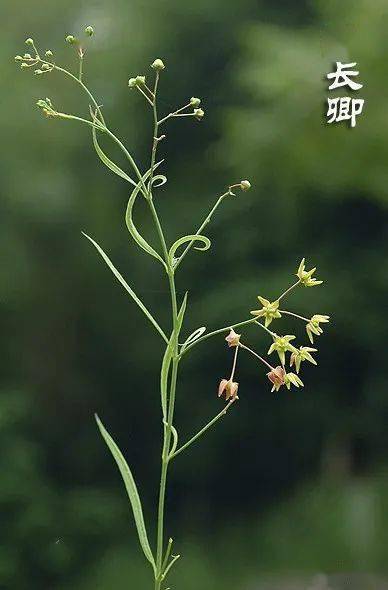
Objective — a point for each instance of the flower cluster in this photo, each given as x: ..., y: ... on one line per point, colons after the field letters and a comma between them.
x: 283, y: 346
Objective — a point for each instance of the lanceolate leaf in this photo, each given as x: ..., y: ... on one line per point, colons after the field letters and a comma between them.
x: 131, y: 226
x: 131, y: 490
x: 108, y: 162
x: 121, y: 279
x: 167, y: 358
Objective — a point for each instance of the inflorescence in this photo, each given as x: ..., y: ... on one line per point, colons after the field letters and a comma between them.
x: 282, y: 345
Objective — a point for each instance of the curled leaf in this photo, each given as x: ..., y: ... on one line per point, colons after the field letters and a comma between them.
x: 159, y: 180
x: 190, y: 238
x: 194, y: 336
x: 130, y: 223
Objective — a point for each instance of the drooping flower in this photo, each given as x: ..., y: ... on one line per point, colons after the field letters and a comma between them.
x: 292, y: 379
x: 229, y: 387
x: 269, y: 311
x: 300, y: 355
x: 277, y: 377
x: 282, y: 344
x: 305, y: 277
x: 313, y: 327
x: 233, y: 338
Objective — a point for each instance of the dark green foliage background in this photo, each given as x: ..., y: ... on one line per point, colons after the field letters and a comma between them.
x: 288, y: 483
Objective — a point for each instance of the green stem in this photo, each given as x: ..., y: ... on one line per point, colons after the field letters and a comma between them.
x: 287, y: 291
x: 203, y: 430
x: 294, y: 315
x: 202, y: 226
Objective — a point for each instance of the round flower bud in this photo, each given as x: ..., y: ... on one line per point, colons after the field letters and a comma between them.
x: 41, y: 104
x: 140, y: 80
x: 199, y: 114
x: 195, y: 102
x: 45, y: 67
x: 18, y: 58
x: 29, y: 41
x: 37, y: 72
x: 158, y: 65
x: 132, y: 82
x: 70, y: 39
x: 24, y: 65
x: 27, y: 56
x: 89, y: 31
x: 245, y: 185
x: 49, y: 53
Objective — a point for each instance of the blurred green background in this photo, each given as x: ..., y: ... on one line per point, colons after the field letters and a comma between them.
x: 288, y: 485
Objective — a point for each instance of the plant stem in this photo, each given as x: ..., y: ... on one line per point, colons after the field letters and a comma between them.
x: 294, y: 315
x: 203, y: 430
x: 202, y: 226
x: 256, y: 355
x: 287, y: 291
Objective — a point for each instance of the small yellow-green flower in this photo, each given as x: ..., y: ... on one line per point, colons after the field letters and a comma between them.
x: 292, y: 379
x: 303, y: 354
x: 282, y: 344
x: 313, y: 327
x: 269, y: 311
x: 305, y: 276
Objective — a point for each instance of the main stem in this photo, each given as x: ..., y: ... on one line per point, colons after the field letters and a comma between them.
x: 167, y: 431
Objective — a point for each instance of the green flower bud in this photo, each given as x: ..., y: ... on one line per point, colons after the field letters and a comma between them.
x: 199, y: 114
x: 27, y: 56
x: 24, y: 65
x: 18, y: 58
x: 140, y: 80
x: 195, y: 102
x: 245, y: 185
x: 70, y: 39
x: 29, y: 41
x: 132, y: 82
x: 41, y: 104
x: 89, y: 31
x: 38, y: 72
x: 49, y: 53
x: 45, y: 67
x: 158, y: 65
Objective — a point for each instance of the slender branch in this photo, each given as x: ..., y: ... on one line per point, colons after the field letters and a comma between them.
x: 202, y: 226
x: 174, y: 114
x: 215, y: 332
x: 287, y: 291
x: 203, y: 430
x: 256, y: 355
x: 294, y: 315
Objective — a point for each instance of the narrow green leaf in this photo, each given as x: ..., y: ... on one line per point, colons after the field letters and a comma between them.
x: 166, y: 363
x: 191, y: 238
x: 133, y: 494
x: 108, y: 162
x: 121, y: 279
x: 167, y: 358
x: 132, y: 228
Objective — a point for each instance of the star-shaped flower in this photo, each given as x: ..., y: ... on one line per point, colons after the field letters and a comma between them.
x: 282, y: 344
x: 313, y: 327
x: 303, y: 354
x: 305, y: 277
x: 269, y: 311
x: 292, y: 379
